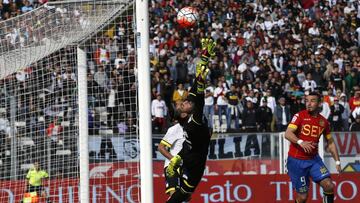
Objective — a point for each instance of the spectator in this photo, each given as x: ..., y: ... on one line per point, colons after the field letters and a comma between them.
x: 264, y: 117
x: 314, y: 31
x: 346, y: 114
x: 209, y: 104
x: 317, y: 76
x: 354, y: 101
x: 158, y: 112
x: 328, y: 96
x: 232, y: 108
x: 351, y: 80
x: 302, y: 78
x: 309, y: 84
x: 101, y: 78
x: 180, y: 94
x: 336, y: 79
x: 54, y: 128
x: 27, y: 6
x: 355, y: 126
x: 325, y: 110
x: 282, y: 115
x: 102, y: 55
x: 120, y: 61
x: 249, y: 120
x: 356, y: 112
x: 181, y: 70
x: 221, y: 101
x: 5, y: 126
x: 112, y: 105
x: 271, y: 102
x: 336, y: 112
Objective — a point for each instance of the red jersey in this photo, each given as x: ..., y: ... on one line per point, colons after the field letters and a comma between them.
x: 308, y: 128
x: 353, y: 103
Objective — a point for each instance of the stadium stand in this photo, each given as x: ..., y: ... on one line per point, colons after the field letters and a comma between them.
x: 268, y: 50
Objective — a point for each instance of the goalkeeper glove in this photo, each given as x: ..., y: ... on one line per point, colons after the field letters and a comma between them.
x: 201, y: 73
x: 173, y: 166
x: 207, y: 50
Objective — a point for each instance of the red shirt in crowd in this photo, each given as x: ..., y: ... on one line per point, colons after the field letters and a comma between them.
x: 354, y: 102
x: 308, y: 128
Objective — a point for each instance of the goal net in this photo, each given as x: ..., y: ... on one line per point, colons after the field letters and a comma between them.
x: 42, y: 108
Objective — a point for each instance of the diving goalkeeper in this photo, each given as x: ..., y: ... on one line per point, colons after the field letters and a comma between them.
x: 193, y: 155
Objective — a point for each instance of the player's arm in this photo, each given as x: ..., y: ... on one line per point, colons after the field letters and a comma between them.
x: 332, y: 148
x: 44, y: 174
x: 335, y: 154
x: 196, y: 94
x: 163, y: 149
x: 291, y: 136
x: 202, y: 70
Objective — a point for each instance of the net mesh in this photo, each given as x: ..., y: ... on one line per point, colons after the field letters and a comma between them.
x: 39, y: 101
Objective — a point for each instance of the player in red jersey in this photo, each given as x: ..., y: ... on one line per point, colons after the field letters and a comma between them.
x: 304, y: 133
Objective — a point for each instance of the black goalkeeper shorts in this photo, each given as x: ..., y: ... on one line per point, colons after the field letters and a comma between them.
x: 37, y: 189
x: 171, y: 183
x: 190, y: 178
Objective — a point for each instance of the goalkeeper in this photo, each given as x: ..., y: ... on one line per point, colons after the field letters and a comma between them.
x: 193, y: 155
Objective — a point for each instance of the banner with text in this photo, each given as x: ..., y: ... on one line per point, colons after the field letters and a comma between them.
x: 212, y: 189
x: 228, y: 147
x: 213, y: 168
x: 348, y: 144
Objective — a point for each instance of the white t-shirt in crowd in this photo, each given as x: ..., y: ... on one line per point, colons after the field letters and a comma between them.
x: 158, y: 108
x: 111, y: 98
x: 325, y: 110
x: 309, y: 85
x: 209, y: 100
x: 220, y: 94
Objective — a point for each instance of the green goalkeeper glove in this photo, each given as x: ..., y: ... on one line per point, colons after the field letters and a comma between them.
x: 201, y: 73
x: 173, y: 166
x: 207, y: 50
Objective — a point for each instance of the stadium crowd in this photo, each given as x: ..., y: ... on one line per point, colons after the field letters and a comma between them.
x: 269, y: 55
x: 12, y: 8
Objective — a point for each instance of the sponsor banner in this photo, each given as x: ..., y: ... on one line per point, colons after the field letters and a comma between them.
x: 102, y: 190
x: 116, y: 148
x: 213, y: 168
x: 229, y: 147
x: 348, y: 143
x: 348, y: 164
x: 264, y: 188
x: 212, y: 189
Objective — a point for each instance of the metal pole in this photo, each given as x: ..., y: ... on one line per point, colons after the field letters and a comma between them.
x: 14, y: 157
x: 143, y: 65
x: 83, y: 126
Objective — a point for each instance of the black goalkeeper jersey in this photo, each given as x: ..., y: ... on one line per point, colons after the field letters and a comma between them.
x: 197, y: 134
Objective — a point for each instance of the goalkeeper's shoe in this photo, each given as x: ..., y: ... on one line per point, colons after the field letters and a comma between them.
x: 174, y: 164
x: 207, y: 50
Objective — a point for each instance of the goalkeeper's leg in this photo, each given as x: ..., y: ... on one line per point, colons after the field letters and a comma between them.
x: 179, y: 196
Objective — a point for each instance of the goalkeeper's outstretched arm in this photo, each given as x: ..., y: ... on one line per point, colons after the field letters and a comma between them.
x: 197, y: 90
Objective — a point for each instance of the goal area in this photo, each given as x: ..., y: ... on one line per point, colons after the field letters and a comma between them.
x: 73, y: 102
